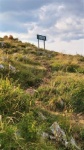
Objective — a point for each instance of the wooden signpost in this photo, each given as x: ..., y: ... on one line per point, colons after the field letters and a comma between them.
x: 41, y: 37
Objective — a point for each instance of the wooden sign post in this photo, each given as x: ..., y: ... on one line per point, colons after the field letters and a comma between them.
x: 41, y: 37
x: 38, y: 43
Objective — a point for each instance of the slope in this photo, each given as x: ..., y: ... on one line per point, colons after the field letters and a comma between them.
x: 36, y: 82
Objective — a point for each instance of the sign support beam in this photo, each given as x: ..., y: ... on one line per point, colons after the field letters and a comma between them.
x: 38, y: 43
x: 41, y: 37
x: 44, y: 45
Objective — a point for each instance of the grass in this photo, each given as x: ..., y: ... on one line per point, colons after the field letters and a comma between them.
x: 63, y: 87
x: 58, y: 84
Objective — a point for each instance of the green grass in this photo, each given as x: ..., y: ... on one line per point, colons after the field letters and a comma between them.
x: 58, y: 82
x: 67, y: 88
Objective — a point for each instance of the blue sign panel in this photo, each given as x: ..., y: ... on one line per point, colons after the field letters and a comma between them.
x: 41, y: 37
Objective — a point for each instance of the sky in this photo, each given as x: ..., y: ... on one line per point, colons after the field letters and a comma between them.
x: 61, y: 21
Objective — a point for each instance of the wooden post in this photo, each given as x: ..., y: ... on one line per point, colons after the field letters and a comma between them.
x: 44, y: 44
x: 38, y: 43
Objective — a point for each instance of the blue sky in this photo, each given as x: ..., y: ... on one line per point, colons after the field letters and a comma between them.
x: 62, y: 21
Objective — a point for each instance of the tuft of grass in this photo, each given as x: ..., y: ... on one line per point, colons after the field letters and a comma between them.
x: 28, y: 127
x: 64, y: 93
x: 13, y: 100
x: 77, y: 98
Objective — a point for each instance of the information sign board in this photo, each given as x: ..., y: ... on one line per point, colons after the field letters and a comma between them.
x: 41, y: 37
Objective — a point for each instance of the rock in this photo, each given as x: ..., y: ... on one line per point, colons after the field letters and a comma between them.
x: 61, y: 103
x: 45, y: 135
x: 59, y: 134
x: 4, y: 58
x: 42, y: 116
x: 17, y: 134
x: 2, y: 44
x: 14, y: 54
x: 73, y: 144
x: 49, y: 56
x: 30, y: 91
x: 41, y: 53
x: 52, y: 137
x: 12, y: 68
x: 1, y: 66
x: 24, y: 57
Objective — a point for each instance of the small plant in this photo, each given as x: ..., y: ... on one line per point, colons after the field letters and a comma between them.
x: 70, y: 67
x: 28, y: 127
x: 82, y: 133
x: 10, y: 37
x: 7, y: 137
x: 13, y: 101
x: 5, y: 37
x: 77, y: 99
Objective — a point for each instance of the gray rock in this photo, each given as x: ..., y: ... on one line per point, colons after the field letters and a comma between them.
x: 13, y: 69
x: 73, y: 144
x: 59, y: 134
x: 42, y: 116
x: 30, y: 91
x: 52, y: 137
x: 45, y: 135
x: 1, y: 66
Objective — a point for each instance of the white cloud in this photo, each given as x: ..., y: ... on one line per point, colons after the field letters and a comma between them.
x: 73, y: 47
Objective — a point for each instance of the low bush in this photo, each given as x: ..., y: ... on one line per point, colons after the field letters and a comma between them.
x: 7, y: 137
x: 56, y: 66
x: 71, y: 68
x: 77, y: 98
x: 13, y: 100
x: 28, y: 127
x: 82, y: 134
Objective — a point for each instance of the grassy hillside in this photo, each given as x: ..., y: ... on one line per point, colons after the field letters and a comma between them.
x: 35, y: 84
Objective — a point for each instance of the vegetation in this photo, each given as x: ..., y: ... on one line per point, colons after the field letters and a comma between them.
x: 35, y: 82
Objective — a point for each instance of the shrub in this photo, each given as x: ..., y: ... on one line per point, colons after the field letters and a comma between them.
x: 70, y: 67
x: 28, y: 127
x: 13, y: 101
x: 77, y: 98
x: 10, y: 37
x: 81, y: 70
x: 7, y: 45
x: 7, y: 137
x: 81, y: 58
x: 56, y: 66
x: 5, y: 37
x: 82, y: 133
